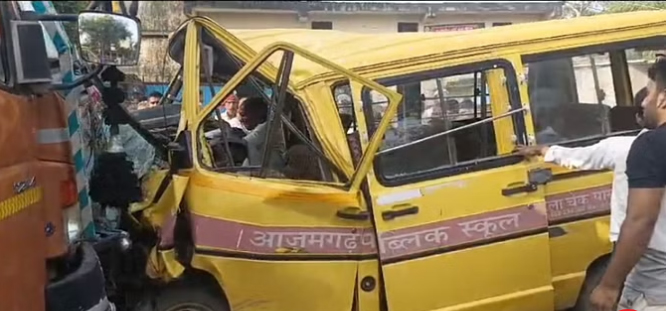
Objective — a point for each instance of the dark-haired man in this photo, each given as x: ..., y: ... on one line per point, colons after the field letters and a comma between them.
x: 638, y: 264
x: 153, y: 101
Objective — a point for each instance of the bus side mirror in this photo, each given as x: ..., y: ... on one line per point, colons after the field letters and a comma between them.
x: 109, y: 39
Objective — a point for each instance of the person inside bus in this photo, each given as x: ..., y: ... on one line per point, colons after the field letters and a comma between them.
x: 230, y: 113
x: 545, y: 115
x: 253, y: 115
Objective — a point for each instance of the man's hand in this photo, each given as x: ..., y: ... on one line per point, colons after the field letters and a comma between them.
x: 532, y: 151
x: 604, y: 298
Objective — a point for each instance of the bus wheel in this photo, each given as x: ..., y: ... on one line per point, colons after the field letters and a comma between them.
x: 185, y: 299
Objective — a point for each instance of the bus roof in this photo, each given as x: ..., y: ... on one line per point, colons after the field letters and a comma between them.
x: 362, y: 52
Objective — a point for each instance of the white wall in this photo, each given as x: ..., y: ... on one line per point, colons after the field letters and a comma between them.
x: 358, y: 22
x: 383, y: 22
x: 585, y: 81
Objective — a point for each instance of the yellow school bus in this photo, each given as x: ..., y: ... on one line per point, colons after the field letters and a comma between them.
x: 397, y: 186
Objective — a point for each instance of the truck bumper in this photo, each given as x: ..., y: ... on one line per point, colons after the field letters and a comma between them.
x: 83, y: 289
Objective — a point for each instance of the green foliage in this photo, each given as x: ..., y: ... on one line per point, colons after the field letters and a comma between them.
x: 631, y: 6
x: 70, y: 7
x: 587, y: 8
x: 104, y: 36
x: 582, y: 8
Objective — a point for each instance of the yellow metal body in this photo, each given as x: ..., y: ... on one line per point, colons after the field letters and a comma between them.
x: 533, y: 272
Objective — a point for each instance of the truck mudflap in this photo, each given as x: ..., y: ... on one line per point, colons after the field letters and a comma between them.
x: 81, y: 290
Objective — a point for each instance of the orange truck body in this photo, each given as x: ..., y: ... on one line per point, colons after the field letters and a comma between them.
x: 42, y: 266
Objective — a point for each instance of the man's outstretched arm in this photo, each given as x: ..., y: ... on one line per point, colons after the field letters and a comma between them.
x: 599, y: 156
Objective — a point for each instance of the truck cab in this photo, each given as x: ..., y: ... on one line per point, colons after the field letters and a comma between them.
x: 46, y: 222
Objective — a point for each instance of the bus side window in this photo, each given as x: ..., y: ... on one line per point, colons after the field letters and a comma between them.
x: 639, y: 60
x: 588, y: 92
x: 450, y: 99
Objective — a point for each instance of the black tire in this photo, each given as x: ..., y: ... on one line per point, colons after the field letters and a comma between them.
x: 81, y: 288
x: 181, y: 298
x: 593, y: 277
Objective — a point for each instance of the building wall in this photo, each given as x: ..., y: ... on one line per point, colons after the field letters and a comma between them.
x: 358, y: 22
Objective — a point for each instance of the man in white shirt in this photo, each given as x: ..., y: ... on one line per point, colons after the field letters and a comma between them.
x: 230, y: 115
x: 608, y: 154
